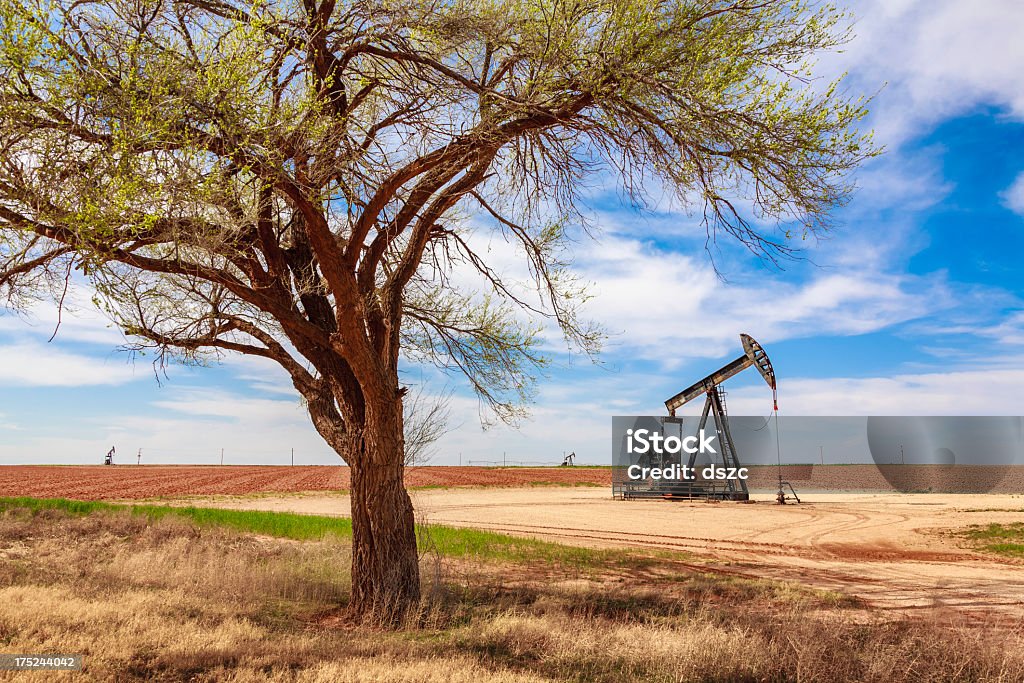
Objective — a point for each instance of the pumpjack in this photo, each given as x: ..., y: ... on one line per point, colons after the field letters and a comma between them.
x: 714, y: 406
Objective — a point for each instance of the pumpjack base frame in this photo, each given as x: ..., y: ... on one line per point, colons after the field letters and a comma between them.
x: 682, y: 491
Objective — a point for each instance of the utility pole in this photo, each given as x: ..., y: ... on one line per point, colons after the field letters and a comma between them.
x: 822, y: 449
x: 903, y: 460
x: 293, y: 457
x: 222, y: 456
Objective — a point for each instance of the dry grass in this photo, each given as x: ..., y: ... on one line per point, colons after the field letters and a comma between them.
x: 166, y: 600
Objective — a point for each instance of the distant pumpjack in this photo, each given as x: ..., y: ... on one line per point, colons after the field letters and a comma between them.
x: 753, y: 354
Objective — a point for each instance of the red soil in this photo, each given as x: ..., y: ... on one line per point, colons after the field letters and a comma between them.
x: 148, y: 481
x: 132, y: 482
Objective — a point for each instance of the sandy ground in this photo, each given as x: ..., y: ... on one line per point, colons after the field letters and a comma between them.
x: 889, y: 549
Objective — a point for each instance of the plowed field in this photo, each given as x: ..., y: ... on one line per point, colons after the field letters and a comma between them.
x: 148, y: 481
x: 132, y: 482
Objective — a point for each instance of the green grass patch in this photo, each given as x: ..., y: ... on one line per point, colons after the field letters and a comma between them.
x: 1010, y: 549
x: 277, y: 524
x: 488, y: 545
x: 995, y: 531
x: 447, y: 541
x: 1002, y: 539
x: 72, y: 507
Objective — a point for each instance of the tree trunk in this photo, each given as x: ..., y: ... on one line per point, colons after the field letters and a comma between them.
x: 385, y: 562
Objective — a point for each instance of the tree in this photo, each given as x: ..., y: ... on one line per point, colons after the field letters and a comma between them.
x: 425, y: 419
x: 301, y: 180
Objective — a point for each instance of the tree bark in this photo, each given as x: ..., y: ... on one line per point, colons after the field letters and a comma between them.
x: 385, y: 562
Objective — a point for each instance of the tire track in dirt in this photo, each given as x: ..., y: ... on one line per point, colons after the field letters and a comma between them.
x: 957, y: 584
x: 633, y: 538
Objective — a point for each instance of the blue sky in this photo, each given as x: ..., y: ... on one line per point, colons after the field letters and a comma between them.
x: 914, y: 305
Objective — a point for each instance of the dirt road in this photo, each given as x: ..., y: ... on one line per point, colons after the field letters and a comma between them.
x: 888, y: 549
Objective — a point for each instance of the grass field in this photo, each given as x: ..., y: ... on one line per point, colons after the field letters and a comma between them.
x: 1004, y: 539
x: 149, y: 592
x: 446, y: 541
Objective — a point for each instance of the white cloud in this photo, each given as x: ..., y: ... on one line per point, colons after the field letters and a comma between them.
x: 221, y: 404
x: 570, y: 416
x: 991, y: 390
x: 672, y: 307
x: 910, y: 180
x: 669, y: 305
x: 936, y: 58
x: 1008, y: 331
x: 79, y: 321
x: 984, y: 313
x: 576, y: 416
x: 1013, y: 196
x: 39, y: 365
x: 185, y: 425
